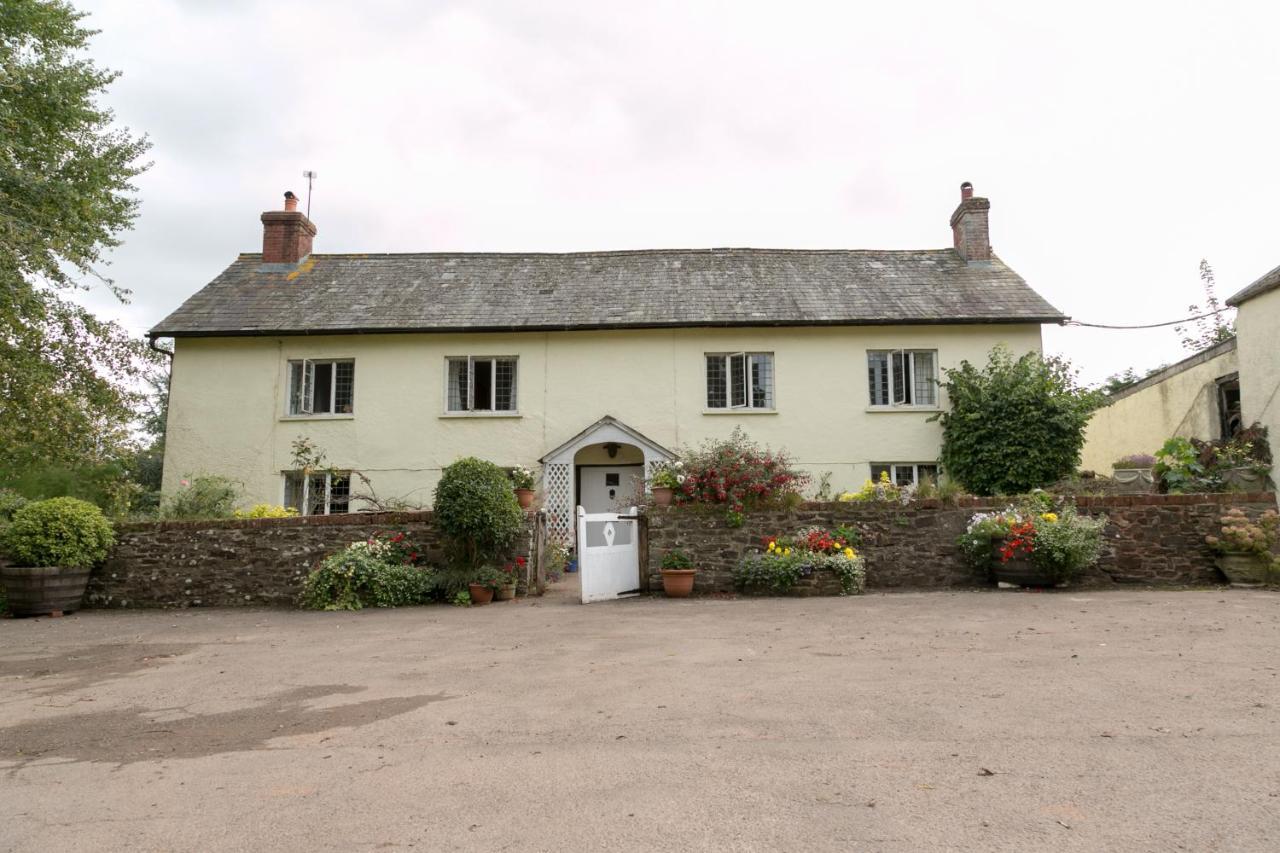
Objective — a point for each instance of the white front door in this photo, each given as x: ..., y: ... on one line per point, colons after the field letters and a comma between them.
x: 609, y: 488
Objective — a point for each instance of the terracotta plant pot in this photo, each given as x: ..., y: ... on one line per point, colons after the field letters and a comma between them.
x: 36, y: 591
x: 506, y: 592
x: 1244, y: 569
x: 678, y: 583
x: 525, y: 496
x: 480, y: 594
x: 662, y: 496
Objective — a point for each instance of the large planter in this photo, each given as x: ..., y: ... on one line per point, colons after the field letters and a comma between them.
x: 34, y: 591
x: 1021, y: 571
x: 480, y: 593
x: 678, y: 583
x: 1244, y: 480
x: 506, y: 592
x: 1134, y: 481
x: 525, y: 497
x: 1244, y: 569
x: 662, y: 496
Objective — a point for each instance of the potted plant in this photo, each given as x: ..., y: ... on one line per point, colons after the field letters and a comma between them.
x: 1134, y: 473
x: 54, y: 545
x: 677, y: 574
x: 486, y: 581
x: 522, y: 483
x: 1244, y: 546
x: 1240, y: 467
x: 1033, y: 545
x: 665, y: 480
x: 510, y: 577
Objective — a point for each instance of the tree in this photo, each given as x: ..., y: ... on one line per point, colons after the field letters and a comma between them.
x: 1015, y: 425
x: 1210, y: 330
x: 67, y: 378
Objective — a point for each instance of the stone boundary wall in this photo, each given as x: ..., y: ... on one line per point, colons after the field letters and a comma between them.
x: 1149, y: 539
x: 239, y: 562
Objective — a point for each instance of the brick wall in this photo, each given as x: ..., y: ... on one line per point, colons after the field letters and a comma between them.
x: 238, y: 562
x: 1149, y: 539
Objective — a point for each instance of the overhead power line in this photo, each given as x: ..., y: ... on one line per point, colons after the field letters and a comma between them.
x: 1147, y: 325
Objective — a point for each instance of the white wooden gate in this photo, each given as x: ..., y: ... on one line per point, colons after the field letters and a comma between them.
x: 608, y: 555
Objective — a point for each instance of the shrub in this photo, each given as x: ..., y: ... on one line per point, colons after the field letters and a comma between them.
x: 1178, y: 468
x: 1015, y: 425
x: 205, y: 496
x: 1062, y: 541
x: 477, y: 511
x: 739, y: 474
x: 64, y: 532
x: 10, y: 502
x: 1239, y: 535
x: 883, y: 490
x: 787, y: 559
x: 1135, y: 460
x: 266, y: 511
x: 365, y: 574
x: 676, y: 560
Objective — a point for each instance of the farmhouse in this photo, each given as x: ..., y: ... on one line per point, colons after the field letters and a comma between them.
x: 587, y: 366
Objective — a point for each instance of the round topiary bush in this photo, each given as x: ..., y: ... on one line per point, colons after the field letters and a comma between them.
x: 477, y: 510
x: 64, y: 532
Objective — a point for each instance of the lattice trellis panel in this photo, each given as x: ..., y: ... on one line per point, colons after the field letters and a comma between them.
x: 557, y: 490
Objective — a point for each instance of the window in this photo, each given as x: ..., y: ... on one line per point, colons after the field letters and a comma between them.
x: 322, y: 387
x: 740, y: 380
x: 320, y: 493
x: 1230, y: 421
x: 902, y: 377
x: 904, y: 473
x: 482, y: 384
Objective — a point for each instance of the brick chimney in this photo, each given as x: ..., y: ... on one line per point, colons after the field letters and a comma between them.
x: 286, y: 234
x: 970, y: 232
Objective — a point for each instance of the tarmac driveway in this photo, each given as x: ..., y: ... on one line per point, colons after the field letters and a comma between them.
x: 1124, y: 720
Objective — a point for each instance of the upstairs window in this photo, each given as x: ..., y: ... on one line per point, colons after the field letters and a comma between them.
x: 322, y: 387
x: 319, y: 493
x: 740, y: 380
x: 903, y: 377
x: 482, y: 383
x: 905, y: 473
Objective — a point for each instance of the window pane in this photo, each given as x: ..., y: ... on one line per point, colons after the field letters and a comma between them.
x: 345, y: 386
x: 295, y: 387
x: 717, y: 385
x: 339, y: 494
x: 904, y: 475
x: 929, y: 472
x: 878, y: 468
x: 505, y: 398
x: 924, y: 387
x: 762, y: 381
x: 457, y: 384
x: 878, y: 377
x: 293, y: 491
x: 316, y: 494
x: 737, y: 380
x: 901, y: 378
x: 324, y: 388
x: 481, y: 385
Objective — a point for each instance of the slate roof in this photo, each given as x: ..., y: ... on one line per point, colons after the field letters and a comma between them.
x: 604, y: 290
x: 1266, y: 284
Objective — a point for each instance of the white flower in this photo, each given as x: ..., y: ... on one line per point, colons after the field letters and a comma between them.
x: 680, y: 479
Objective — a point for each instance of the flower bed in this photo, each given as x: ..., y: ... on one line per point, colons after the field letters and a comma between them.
x: 785, y: 560
x: 1057, y: 541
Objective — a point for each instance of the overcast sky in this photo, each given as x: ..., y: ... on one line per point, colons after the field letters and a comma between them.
x: 1119, y: 142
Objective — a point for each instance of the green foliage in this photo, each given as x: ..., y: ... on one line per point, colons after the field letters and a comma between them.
x: 883, y: 490
x: 1178, y: 467
x: 10, y: 502
x: 477, y: 510
x: 266, y: 511
x: 206, y: 496
x: 676, y: 560
x: 780, y: 572
x: 366, y: 574
x: 64, y: 532
x: 461, y: 598
x: 1015, y: 425
x: 1213, y: 329
x: 490, y: 576
x: 738, y: 474
x: 106, y: 485
x: 1061, y: 540
x: 1068, y: 546
x: 67, y: 379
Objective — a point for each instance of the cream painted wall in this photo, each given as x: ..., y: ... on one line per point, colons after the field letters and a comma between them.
x: 1183, y: 404
x: 227, y: 403
x: 1258, y: 331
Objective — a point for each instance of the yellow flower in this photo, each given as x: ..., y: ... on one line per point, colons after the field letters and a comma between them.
x: 1050, y: 517
x: 848, y: 552
x: 773, y: 545
x: 786, y: 552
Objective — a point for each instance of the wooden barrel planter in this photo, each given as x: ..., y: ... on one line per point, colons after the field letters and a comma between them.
x: 35, y: 591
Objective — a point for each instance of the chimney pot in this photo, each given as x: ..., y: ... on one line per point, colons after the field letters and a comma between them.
x: 966, y: 191
x: 290, y: 200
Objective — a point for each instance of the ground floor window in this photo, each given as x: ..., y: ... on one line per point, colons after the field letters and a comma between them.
x: 905, y: 473
x: 318, y: 493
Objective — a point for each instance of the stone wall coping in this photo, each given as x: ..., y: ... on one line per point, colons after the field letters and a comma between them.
x: 354, y: 519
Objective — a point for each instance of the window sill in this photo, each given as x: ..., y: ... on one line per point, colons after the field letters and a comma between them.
x: 917, y: 409
x: 740, y: 411
x: 448, y: 415
x: 344, y: 416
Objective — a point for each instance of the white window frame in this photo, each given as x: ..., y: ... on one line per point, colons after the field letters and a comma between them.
x: 915, y: 470
x: 492, y: 411
x: 749, y: 368
x: 898, y: 395
x: 306, y: 403
x: 306, y: 491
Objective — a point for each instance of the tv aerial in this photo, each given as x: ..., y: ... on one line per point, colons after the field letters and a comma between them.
x: 310, y: 176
